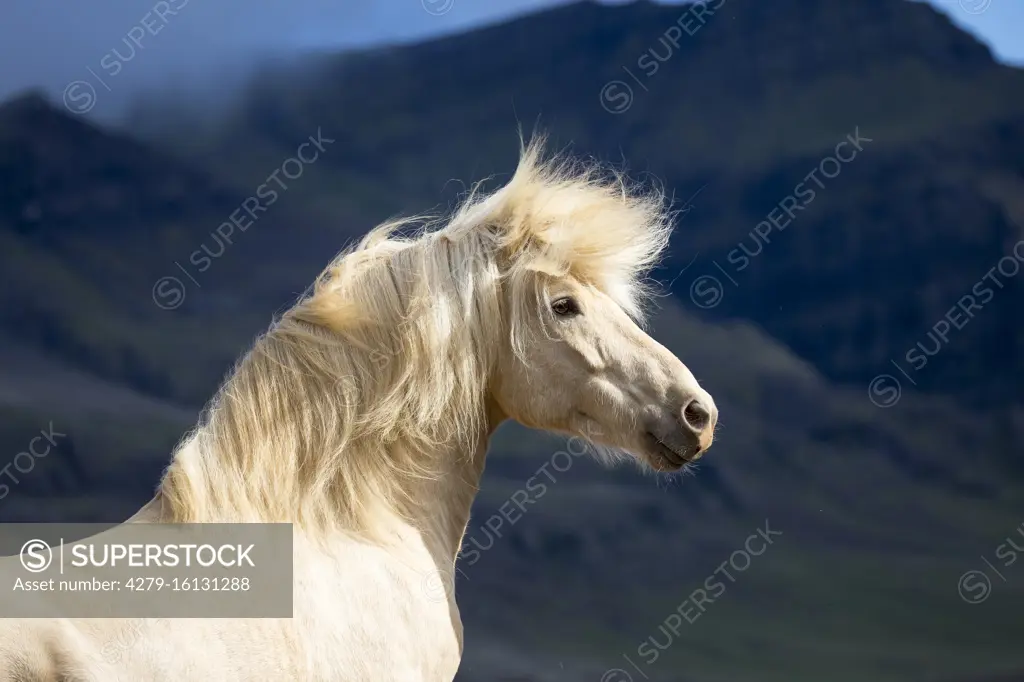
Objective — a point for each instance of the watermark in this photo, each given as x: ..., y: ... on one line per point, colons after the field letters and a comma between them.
x: 975, y: 586
x: 707, y: 291
x: 36, y: 555
x: 533, y: 490
x: 437, y: 7
x: 380, y: 357
x: 381, y: 354
x: 885, y: 389
x: 439, y: 585
x: 696, y: 603
x: 115, y: 649
x: 25, y: 461
x: 146, y: 570
x: 975, y: 6
x: 169, y: 291
x: 80, y: 95
x: 617, y: 95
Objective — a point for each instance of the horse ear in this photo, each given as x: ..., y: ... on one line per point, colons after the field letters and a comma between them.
x: 506, y: 241
x: 494, y: 242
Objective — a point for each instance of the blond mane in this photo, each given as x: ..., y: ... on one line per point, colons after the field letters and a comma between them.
x: 350, y: 397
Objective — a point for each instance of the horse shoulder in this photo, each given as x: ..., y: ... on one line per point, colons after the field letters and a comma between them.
x: 46, y: 650
x: 360, y: 599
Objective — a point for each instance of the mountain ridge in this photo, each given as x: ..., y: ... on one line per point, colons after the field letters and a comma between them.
x: 738, y: 113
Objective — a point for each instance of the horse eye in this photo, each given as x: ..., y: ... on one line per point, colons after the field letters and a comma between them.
x: 565, y: 307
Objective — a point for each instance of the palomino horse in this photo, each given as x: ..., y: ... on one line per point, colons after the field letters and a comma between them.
x: 363, y: 416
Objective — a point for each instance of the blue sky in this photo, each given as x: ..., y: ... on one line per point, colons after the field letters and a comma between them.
x: 51, y: 43
x: 1000, y: 23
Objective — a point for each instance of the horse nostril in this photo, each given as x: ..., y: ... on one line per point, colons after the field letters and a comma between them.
x: 696, y: 416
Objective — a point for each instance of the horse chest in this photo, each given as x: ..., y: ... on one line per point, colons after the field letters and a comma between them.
x: 386, y: 619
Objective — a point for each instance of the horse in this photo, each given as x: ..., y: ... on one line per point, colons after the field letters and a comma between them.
x: 362, y: 417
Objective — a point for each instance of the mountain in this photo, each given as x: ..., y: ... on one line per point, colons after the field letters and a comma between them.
x: 731, y: 107
x: 115, y: 256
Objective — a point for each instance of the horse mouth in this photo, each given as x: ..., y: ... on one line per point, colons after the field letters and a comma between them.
x: 665, y: 457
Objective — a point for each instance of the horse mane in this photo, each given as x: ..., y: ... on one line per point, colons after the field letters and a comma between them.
x: 359, y: 390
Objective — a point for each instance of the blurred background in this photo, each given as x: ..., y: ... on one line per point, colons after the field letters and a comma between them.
x: 845, y: 279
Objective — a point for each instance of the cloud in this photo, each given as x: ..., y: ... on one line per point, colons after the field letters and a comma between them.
x: 119, y: 46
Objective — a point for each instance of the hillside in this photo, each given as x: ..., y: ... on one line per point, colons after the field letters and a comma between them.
x: 110, y: 255
x: 880, y: 513
x: 734, y: 113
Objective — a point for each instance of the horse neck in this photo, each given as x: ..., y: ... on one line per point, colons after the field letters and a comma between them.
x: 442, y: 506
x: 437, y: 515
